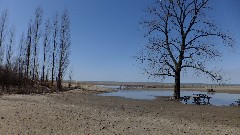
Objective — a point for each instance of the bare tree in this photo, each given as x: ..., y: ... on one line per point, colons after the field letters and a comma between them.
x: 29, y: 48
x: 64, y: 47
x: 36, y: 36
x: 46, y: 48
x: 20, y: 60
x: 54, y: 48
x: 3, y: 33
x: 9, y: 55
x: 180, y: 36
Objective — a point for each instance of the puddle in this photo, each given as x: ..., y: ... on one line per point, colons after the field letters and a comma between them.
x: 218, y: 99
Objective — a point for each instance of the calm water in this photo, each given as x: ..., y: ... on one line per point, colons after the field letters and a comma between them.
x: 218, y: 99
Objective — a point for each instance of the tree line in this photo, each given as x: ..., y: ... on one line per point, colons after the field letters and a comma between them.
x: 40, y: 58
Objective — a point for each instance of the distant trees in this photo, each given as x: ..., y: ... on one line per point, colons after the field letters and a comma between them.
x: 35, y: 64
x: 180, y: 36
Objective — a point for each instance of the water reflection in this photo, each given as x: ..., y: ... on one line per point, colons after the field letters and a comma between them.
x: 218, y: 99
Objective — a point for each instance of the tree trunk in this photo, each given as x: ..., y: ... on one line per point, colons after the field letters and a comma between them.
x: 59, y: 82
x: 177, y: 85
x: 53, y: 64
x: 43, y: 73
x: 44, y: 63
x: 34, y: 63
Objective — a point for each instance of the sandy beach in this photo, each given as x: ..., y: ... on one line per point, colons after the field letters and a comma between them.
x: 83, y: 112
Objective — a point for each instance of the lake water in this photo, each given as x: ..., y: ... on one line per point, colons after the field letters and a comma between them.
x: 218, y: 99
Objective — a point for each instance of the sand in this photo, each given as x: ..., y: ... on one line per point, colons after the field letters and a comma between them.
x: 83, y: 112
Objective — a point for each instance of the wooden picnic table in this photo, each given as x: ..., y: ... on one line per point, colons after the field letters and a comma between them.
x: 186, y: 98
x: 238, y: 102
x: 200, y: 98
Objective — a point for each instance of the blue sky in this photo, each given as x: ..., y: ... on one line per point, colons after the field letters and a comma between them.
x: 105, y: 35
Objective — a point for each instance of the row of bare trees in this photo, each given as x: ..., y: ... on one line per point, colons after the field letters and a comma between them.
x: 42, y: 54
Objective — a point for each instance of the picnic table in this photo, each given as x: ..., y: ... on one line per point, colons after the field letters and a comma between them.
x: 238, y: 102
x: 186, y: 98
x: 198, y: 99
